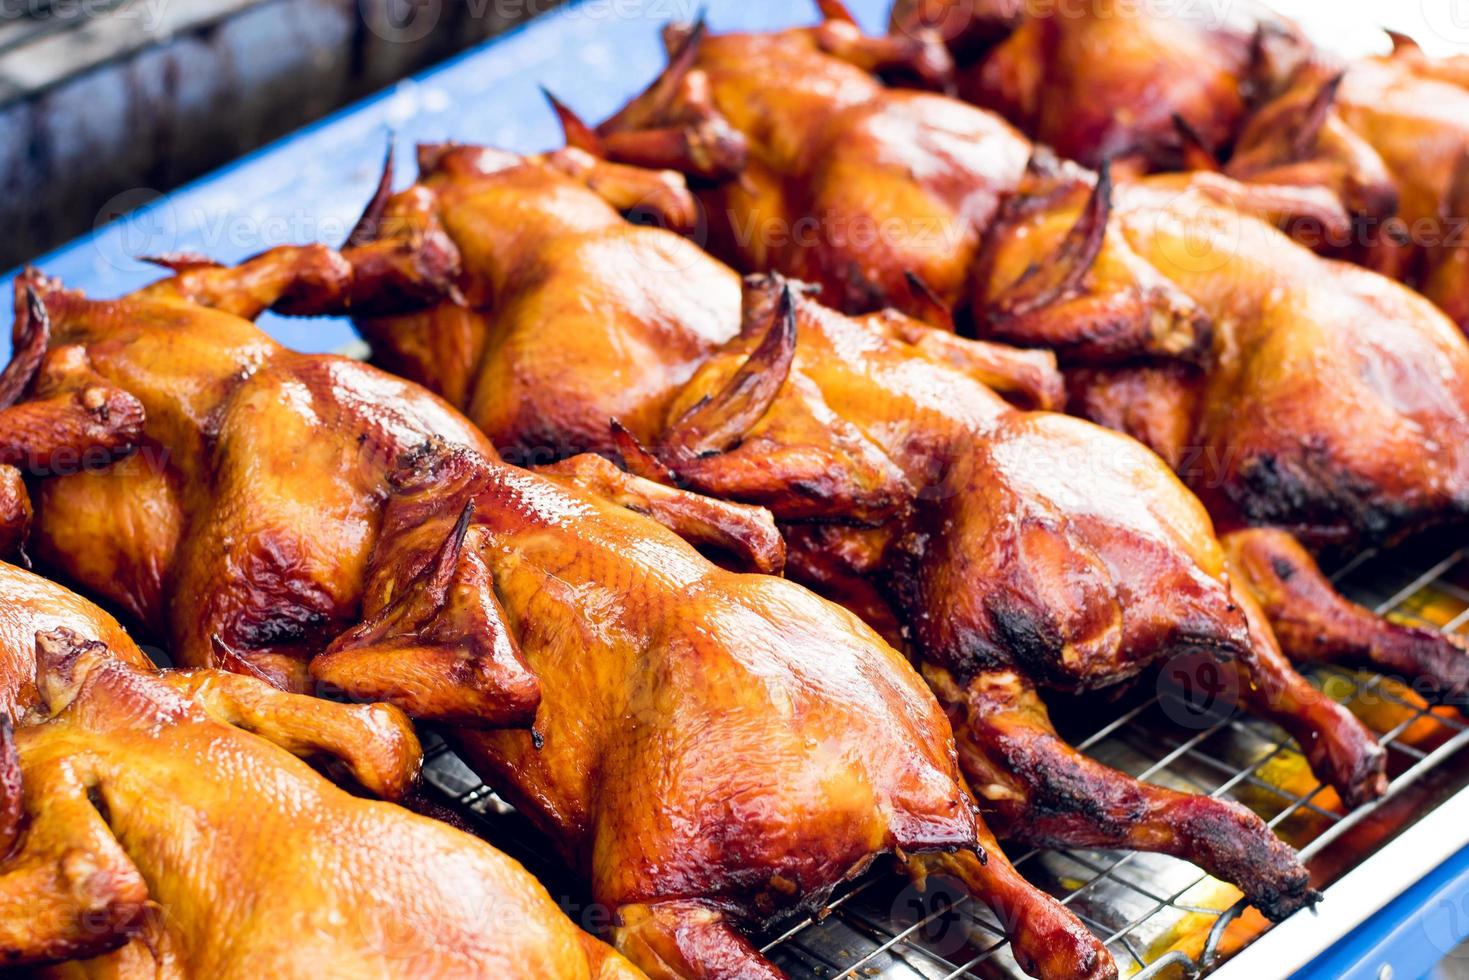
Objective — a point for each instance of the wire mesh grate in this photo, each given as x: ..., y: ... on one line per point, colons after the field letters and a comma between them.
x: 1155, y: 913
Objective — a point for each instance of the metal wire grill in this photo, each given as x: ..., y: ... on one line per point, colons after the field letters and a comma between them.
x: 1154, y: 912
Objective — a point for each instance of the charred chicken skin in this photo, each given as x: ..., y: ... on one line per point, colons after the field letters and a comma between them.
x: 1331, y: 402
x: 812, y: 167
x: 116, y: 765
x: 1111, y: 82
x: 710, y: 748
x: 1014, y: 548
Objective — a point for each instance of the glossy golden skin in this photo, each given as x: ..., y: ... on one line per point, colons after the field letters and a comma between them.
x: 709, y: 747
x: 522, y: 232
x: 280, y: 873
x: 34, y: 605
x: 72, y: 422
x: 539, y: 221
x: 1022, y: 549
x: 1107, y: 82
x: 817, y: 170
x: 1332, y: 402
x: 1022, y: 544
x: 1390, y: 135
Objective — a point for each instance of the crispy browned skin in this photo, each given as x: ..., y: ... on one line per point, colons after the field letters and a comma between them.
x: 311, y: 495
x: 118, y: 765
x: 1008, y: 540
x: 1390, y: 135
x: 32, y: 605
x: 1332, y: 403
x: 1103, y: 81
x: 812, y: 167
x: 1019, y: 548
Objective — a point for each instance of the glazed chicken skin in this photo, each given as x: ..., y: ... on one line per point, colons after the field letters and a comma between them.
x: 531, y: 227
x: 1111, y: 82
x: 810, y: 166
x: 35, y: 605
x: 117, y: 763
x: 909, y: 490
x: 1332, y: 403
x: 72, y: 422
x: 562, y: 315
x: 585, y: 657
x: 1390, y: 136
x: 1021, y: 550
x: 1148, y: 89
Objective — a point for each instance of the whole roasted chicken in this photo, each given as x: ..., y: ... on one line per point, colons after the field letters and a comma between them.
x: 811, y: 166
x: 1012, y: 549
x: 712, y: 749
x: 117, y: 767
x: 1113, y: 82
x: 1329, y: 402
x: 1331, y: 407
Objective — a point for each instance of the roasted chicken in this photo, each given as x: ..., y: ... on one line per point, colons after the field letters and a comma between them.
x: 1148, y: 88
x: 1390, y: 136
x: 811, y: 166
x: 712, y: 749
x: 1011, y: 548
x: 1332, y: 403
x: 116, y: 767
x: 1112, y: 82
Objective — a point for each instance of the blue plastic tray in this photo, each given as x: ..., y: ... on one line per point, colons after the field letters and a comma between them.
x: 594, y: 54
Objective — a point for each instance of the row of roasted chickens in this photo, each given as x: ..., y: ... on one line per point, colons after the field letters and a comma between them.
x: 567, y: 530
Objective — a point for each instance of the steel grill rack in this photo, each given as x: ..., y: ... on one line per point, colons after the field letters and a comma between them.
x: 1158, y: 915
